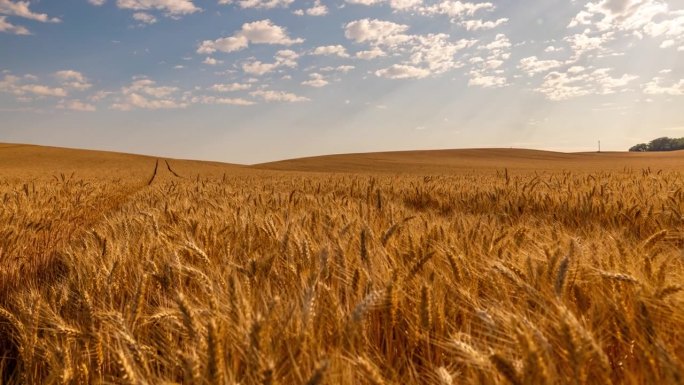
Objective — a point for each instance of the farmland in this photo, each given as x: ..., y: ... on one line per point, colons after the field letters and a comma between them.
x: 447, y: 267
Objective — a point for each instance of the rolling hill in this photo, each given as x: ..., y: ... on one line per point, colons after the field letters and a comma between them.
x: 31, y: 161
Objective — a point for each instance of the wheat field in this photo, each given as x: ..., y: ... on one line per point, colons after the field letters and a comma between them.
x: 118, y: 269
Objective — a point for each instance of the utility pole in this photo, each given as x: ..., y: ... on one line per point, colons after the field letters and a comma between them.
x: 599, y: 146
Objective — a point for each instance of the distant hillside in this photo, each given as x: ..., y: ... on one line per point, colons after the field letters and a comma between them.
x: 660, y: 144
x: 469, y: 160
x: 25, y: 161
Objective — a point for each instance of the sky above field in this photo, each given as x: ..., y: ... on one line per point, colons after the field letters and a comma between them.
x: 249, y: 81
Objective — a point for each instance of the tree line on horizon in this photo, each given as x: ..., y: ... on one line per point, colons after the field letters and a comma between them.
x: 660, y: 144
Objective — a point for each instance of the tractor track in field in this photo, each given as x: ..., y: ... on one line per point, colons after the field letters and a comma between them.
x: 45, y: 265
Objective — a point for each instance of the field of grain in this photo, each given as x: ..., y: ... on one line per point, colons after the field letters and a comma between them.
x: 548, y: 269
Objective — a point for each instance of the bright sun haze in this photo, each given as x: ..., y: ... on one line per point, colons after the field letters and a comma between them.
x: 250, y: 81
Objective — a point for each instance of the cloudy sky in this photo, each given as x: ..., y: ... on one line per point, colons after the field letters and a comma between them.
x: 255, y: 80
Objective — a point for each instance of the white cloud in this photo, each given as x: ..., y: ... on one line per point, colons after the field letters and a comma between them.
x: 149, y: 87
x: 145, y: 94
x: 402, y: 5
x: 169, y: 7
x: 584, y: 42
x: 480, y: 79
x: 258, y: 32
x: 144, y: 17
x: 579, y: 81
x: 373, y: 53
x: 224, y: 101
x: 287, y: 58
x: 318, y: 9
x: 376, y: 32
x: 21, y: 9
x: 331, y: 50
x: 365, y: 2
x: 211, y: 61
x: 532, y: 65
x: 41, y: 90
x: 437, y: 52
x: 477, y: 24
x: 76, y: 105
x: 398, y: 5
x: 259, y: 4
x: 667, y: 43
x: 230, y: 87
x: 97, y: 2
x: 278, y: 96
x: 638, y: 18
x: 283, y: 58
x: 434, y: 52
x: 316, y: 80
x: 657, y: 87
x: 456, y: 9
x: 6, y: 26
x: 15, y: 85
x: 256, y: 67
x: 342, y: 68
x: 73, y: 79
x: 224, y: 44
x: 401, y: 71
x: 486, y: 72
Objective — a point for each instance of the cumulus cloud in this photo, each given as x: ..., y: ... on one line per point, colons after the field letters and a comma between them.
x: 318, y: 9
x: 640, y: 18
x: 532, y: 65
x: 377, y: 32
x: 21, y: 9
x: 26, y: 88
x: 256, y: 67
x: 399, y: 5
x: 316, y: 80
x: 230, y: 87
x: 437, y: 52
x: 258, y: 32
x: 456, y: 9
x: 579, y: 81
x: 76, y: 105
x: 477, y: 24
x: 169, y: 7
x: 224, y: 101
x: 144, y: 17
x: 342, y: 68
x: 401, y: 71
x: 73, y: 80
x: 587, y: 41
x: 658, y: 86
x: 331, y: 50
x: 211, y: 61
x: 6, y: 26
x: 283, y: 58
x: 278, y: 96
x: 483, y: 80
x: 146, y: 94
x: 486, y: 72
x: 259, y: 4
x: 373, y: 53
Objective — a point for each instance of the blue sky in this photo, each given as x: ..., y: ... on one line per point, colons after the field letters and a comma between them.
x: 249, y: 81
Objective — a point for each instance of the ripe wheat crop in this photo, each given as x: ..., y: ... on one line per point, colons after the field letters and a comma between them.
x: 273, y: 278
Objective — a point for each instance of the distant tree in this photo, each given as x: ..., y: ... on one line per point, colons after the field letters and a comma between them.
x: 660, y: 144
x: 641, y: 147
